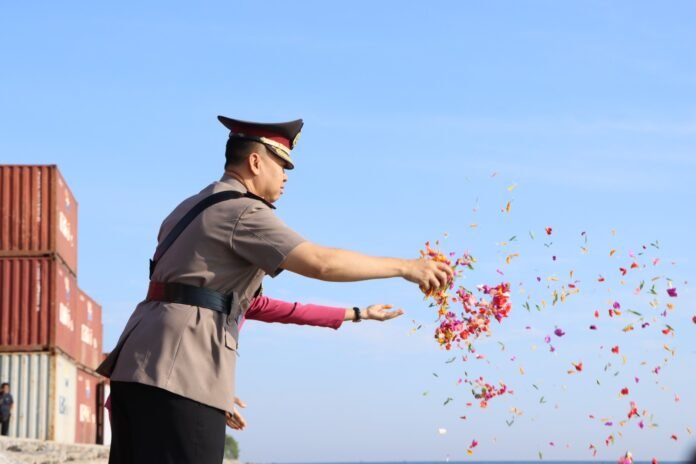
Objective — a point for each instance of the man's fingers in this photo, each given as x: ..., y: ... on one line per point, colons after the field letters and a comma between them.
x: 237, y: 421
x: 240, y: 403
x: 448, y: 270
x: 443, y: 278
x: 232, y: 421
x: 233, y: 424
x: 393, y: 314
x: 434, y: 284
x: 381, y: 312
x: 239, y: 417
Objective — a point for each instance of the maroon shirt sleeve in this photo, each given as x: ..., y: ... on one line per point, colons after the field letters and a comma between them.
x: 267, y: 309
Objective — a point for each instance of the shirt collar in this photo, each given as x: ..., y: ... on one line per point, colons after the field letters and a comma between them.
x: 238, y: 186
x: 234, y: 182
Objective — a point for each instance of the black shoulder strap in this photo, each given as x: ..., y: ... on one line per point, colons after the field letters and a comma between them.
x: 189, y: 217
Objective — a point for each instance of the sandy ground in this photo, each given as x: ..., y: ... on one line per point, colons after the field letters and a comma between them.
x: 27, y: 451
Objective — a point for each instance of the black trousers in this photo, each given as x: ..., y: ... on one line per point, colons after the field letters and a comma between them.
x: 151, y: 425
x: 5, y: 426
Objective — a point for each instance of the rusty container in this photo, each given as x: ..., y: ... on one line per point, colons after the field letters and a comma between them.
x: 38, y: 304
x: 87, y: 404
x: 38, y: 213
x: 88, y: 324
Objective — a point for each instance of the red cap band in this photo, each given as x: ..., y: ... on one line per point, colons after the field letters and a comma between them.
x: 257, y: 132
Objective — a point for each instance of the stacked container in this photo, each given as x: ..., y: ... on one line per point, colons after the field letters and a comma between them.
x: 50, y: 330
x: 38, y: 213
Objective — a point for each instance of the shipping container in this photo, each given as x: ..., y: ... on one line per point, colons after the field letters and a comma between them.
x: 38, y: 303
x: 103, y: 419
x: 88, y: 323
x: 38, y: 213
x: 87, y: 407
x: 43, y: 386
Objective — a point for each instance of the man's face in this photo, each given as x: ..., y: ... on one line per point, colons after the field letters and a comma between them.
x: 273, y: 177
x: 5, y: 389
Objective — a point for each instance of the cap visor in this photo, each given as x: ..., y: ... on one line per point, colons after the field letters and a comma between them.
x: 288, y: 161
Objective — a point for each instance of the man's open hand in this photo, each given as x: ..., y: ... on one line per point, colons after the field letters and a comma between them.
x: 380, y: 312
x: 234, y: 419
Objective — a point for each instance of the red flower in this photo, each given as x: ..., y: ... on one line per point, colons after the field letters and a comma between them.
x: 633, y: 411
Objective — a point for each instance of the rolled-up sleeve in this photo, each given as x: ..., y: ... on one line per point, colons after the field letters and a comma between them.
x: 263, y: 239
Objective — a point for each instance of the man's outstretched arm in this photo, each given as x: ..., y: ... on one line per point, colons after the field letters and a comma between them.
x: 338, y: 265
x: 267, y: 309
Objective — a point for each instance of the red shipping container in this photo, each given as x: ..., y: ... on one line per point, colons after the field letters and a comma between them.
x: 38, y: 213
x: 89, y: 328
x: 86, y: 425
x: 38, y: 303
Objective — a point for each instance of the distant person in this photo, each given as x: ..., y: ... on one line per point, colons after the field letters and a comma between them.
x: 6, y: 404
x: 173, y: 369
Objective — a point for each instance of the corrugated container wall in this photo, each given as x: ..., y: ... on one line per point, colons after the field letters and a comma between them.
x: 38, y: 213
x: 44, y: 389
x: 64, y: 412
x: 89, y: 327
x: 38, y: 303
x: 86, y: 424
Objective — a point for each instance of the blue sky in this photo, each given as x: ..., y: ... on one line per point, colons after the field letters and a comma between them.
x: 588, y: 107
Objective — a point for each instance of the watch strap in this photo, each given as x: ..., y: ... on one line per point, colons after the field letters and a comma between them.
x: 357, y: 317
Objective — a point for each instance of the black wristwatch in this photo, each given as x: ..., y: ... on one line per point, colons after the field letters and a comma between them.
x: 357, y: 317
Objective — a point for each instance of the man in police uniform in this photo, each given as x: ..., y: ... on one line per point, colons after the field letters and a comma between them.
x: 173, y: 369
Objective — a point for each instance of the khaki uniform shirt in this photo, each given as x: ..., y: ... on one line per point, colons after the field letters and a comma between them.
x: 189, y: 350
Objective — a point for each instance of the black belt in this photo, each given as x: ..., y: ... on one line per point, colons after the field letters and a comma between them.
x: 189, y: 295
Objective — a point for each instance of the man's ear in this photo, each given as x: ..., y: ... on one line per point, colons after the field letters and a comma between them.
x: 254, y: 161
